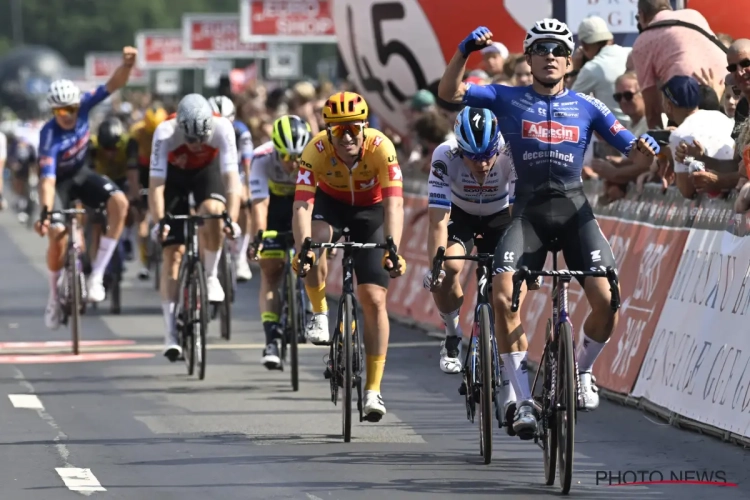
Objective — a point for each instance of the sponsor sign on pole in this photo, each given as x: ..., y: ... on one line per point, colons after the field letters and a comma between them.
x: 163, y: 50
x: 168, y: 82
x: 217, y: 35
x: 285, y: 61
x: 99, y: 67
x: 287, y: 21
x: 215, y: 69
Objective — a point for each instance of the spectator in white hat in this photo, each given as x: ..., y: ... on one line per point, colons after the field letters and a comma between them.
x: 601, y: 63
x: 494, y: 56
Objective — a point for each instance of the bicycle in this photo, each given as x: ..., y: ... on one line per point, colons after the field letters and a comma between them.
x: 115, y: 266
x: 228, y: 280
x: 295, y: 310
x: 153, y: 249
x: 71, y: 285
x: 481, y: 367
x: 191, y: 310
x: 560, y: 386
x: 344, y: 365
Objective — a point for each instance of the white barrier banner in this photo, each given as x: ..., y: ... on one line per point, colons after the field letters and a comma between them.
x: 698, y: 362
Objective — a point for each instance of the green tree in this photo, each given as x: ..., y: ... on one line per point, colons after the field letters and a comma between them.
x: 75, y: 27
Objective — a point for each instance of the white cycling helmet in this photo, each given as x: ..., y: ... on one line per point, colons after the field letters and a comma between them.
x: 195, y: 116
x: 63, y: 93
x: 223, y: 106
x: 549, y: 29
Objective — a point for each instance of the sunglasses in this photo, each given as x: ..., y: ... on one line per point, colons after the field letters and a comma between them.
x: 627, y: 95
x: 743, y: 64
x: 288, y: 157
x: 195, y: 140
x: 482, y: 156
x: 545, y: 48
x: 354, y: 129
x: 66, y: 111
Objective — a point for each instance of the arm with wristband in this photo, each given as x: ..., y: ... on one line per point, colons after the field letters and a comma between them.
x: 451, y: 87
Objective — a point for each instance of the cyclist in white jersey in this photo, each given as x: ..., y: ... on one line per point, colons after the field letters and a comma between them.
x: 3, y: 157
x: 471, y: 188
x: 195, y: 153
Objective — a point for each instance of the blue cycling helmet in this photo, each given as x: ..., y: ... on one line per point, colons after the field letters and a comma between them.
x: 476, y: 131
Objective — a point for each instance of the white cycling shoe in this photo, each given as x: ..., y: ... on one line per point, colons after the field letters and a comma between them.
x: 215, y: 291
x: 242, y: 270
x: 450, y: 354
x: 52, y: 315
x: 589, y: 391
x: 374, y: 408
x: 317, y: 330
x: 95, y: 288
x: 172, y: 349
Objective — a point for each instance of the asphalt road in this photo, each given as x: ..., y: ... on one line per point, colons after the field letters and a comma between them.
x: 139, y: 428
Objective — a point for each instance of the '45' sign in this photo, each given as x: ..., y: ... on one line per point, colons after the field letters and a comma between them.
x: 390, y: 51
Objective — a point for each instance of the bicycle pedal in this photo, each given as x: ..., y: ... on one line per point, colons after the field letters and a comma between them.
x: 327, y: 374
x: 462, y: 389
x: 327, y: 343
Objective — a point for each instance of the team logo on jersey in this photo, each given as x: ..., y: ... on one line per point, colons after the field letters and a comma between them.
x: 378, y: 140
x: 550, y: 132
x: 369, y: 184
x: 395, y: 172
x: 616, y: 128
x: 319, y: 146
x: 439, y: 169
x: 303, y: 177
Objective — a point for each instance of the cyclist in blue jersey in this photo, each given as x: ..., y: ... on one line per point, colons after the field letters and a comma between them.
x: 65, y: 176
x: 548, y: 129
x: 225, y: 107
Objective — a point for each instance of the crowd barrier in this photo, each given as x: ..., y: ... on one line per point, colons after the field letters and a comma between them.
x: 681, y: 346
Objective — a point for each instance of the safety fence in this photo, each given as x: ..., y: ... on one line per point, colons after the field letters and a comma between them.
x: 681, y: 348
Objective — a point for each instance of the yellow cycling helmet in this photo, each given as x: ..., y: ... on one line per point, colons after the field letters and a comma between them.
x: 154, y: 116
x: 345, y: 107
x: 290, y: 135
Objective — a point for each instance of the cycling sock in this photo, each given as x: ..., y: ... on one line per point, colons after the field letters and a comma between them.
x: 588, y: 351
x: 317, y: 296
x: 452, y: 324
x: 168, y: 311
x: 107, y: 247
x: 517, y: 373
x: 507, y: 392
x: 53, y: 277
x: 244, y: 245
x: 375, y: 368
x: 270, y: 326
x: 143, y: 250
x: 211, y: 262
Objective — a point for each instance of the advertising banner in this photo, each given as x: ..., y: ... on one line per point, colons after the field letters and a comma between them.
x: 164, y: 50
x: 287, y: 21
x: 100, y: 66
x: 217, y: 35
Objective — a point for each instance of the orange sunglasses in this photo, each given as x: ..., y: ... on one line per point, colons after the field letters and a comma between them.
x: 66, y: 111
x: 353, y: 128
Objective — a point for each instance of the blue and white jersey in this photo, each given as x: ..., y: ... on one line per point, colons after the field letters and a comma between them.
x: 548, y: 135
x: 63, y: 152
x: 244, y: 141
x: 451, y: 182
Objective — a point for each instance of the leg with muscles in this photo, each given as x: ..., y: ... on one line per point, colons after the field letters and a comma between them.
x: 211, y: 237
x: 242, y: 267
x: 55, y: 257
x: 270, y: 282
x: 448, y: 298
x: 315, y: 286
x: 171, y: 258
x: 376, y: 333
x: 117, y: 211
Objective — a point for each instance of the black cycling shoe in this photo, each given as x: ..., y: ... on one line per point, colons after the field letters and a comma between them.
x: 271, y: 358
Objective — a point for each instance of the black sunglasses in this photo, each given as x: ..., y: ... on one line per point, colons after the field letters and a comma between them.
x: 194, y: 140
x: 545, y: 48
x: 743, y: 63
x: 627, y: 95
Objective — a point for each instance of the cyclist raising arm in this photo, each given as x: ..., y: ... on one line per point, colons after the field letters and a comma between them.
x: 548, y: 129
x: 349, y: 177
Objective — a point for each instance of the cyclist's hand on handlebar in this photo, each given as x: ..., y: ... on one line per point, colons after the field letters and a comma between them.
x: 254, y: 250
x: 41, y: 227
x: 427, y: 281
x: 233, y: 231
x: 399, y: 270
x: 306, y: 266
x: 159, y: 232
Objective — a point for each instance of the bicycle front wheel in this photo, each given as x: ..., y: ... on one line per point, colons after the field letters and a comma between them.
x: 486, y: 390
x: 225, y: 308
x: 294, y: 319
x: 74, y: 282
x: 566, y: 417
x: 346, y: 354
x: 201, y: 327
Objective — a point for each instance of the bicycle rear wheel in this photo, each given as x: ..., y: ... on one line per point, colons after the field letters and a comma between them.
x: 225, y: 308
x: 486, y: 389
x: 189, y: 319
x: 566, y: 418
x: 293, y: 319
x: 201, y: 304
x: 74, y: 282
x: 348, y: 375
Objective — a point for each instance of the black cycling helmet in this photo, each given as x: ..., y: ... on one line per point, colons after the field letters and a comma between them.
x: 110, y: 132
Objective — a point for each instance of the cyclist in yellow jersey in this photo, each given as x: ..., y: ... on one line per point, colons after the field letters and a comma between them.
x: 349, y: 177
x: 139, y: 156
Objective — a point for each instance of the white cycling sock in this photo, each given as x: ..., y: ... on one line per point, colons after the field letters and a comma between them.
x: 168, y: 311
x: 107, y: 247
x: 211, y: 262
x: 518, y: 373
x: 452, y: 324
x: 53, y: 277
x: 588, y: 351
x: 244, y: 245
x: 507, y: 392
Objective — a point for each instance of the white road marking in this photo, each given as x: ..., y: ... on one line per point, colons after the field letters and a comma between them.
x: 81, y: 480
x: 312, y: 497
x: 29, y: 401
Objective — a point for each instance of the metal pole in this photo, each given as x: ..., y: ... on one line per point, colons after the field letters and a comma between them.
x: 17, y: 19
x: 681, y: 4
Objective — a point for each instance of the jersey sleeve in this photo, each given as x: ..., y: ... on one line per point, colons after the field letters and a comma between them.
x: 91, y: 99
x: 48, y: 151
x: 607, y: 126
x: 306, y: 184
x: 259, y: 180
x: 480, y: 96
x: 226, y: 143
x: 674, y: 140
x: 246, y: 146
x: 438, y: 183
x: 508, y: 169
x: 3, y: 147
x: 390, y: 176
x: 160, y: 150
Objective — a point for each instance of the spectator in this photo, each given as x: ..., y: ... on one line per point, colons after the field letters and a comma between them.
x: 301, y: 103
x: 708, y: 99
x: 730, y: 99
x: 738, y: 65
x: 478, y: 77
x: 432, y: 129
x: 712, y: 129
x: 422, y: 103
x: 494, y: 57
x: 502, y: 79
x: 628, y: 96
x: 725, y: 39
x: 662, y: 53
x: 599, y: 62
x: 521, y: 73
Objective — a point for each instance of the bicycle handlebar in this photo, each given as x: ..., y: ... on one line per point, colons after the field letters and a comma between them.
x: 197, y: 218
x: 524, y: 273
x: 437, y: 261
x: 308, y: 245
x: 67, y: 213
x: 269, y: 234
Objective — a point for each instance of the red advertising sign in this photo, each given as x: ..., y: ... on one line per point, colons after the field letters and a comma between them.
x: 289, y: 21
x: 217, y: 35
x: 99, y: 67
x: 162, y: 50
